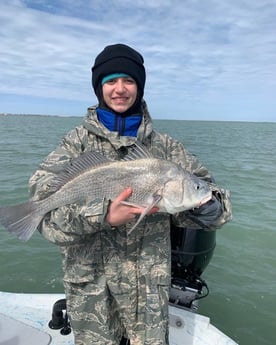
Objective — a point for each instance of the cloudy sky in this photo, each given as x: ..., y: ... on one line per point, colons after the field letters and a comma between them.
x: 205, y: 59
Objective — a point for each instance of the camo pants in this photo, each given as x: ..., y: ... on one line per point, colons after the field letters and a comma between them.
x: 126, y: 293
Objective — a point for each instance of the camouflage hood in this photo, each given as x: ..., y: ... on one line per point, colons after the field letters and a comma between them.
x: 92, y: 124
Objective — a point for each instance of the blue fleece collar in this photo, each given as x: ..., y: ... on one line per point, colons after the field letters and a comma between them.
x: 124, y: 125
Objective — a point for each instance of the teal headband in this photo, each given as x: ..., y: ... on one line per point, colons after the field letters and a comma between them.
x: 114, y: 76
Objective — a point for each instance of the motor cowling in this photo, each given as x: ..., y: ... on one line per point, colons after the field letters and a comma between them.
x: 191, y: 252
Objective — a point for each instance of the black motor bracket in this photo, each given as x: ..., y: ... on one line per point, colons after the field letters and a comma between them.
x: 60, y: 318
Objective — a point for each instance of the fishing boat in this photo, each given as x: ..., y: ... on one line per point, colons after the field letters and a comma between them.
x: 41, y: 319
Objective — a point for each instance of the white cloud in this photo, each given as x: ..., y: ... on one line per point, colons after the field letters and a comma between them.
x: 195, y: 51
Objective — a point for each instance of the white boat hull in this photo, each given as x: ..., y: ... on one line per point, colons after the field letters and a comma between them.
x: 24, y: 320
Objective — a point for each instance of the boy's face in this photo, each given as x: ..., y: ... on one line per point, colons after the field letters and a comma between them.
x: 120, y: 94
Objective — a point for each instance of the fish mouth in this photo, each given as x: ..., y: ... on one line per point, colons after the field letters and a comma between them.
x: 204, y: 200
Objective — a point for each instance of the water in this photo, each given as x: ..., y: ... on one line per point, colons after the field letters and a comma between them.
x: 242, y: 273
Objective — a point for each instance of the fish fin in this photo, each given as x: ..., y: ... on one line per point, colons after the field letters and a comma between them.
x: 93, y: 159
x: 156, y: 199
x: 77, y: 166
x: 20, y: 220
x: 132, y: 204
x: 135, y: 151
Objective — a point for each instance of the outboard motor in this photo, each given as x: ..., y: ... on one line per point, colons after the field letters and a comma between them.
x: 191, y: 252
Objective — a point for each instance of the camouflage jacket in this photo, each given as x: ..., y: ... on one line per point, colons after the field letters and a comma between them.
x: 73, y: 224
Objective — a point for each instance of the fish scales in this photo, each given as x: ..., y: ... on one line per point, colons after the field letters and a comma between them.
x: 155, y: 182
x: 144, y: 176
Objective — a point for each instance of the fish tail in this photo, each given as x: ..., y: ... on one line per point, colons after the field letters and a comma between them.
x: 21, y: 220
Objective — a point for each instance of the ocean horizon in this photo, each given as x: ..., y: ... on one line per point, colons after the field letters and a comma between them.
x: 154, y: 118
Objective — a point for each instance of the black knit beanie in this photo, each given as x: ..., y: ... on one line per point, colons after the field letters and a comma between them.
x: 119, y: 58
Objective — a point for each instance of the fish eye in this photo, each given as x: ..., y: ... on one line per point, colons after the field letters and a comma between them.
x: 197, y: 187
